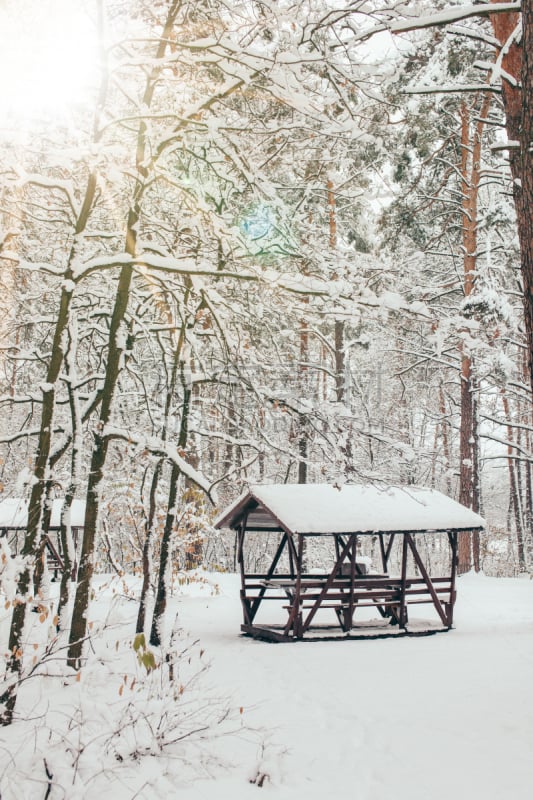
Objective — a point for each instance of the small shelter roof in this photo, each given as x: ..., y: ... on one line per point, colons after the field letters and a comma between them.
x: 315, y: 509
x: 14, y: 513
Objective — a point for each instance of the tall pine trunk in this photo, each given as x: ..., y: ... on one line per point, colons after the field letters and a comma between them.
x: 517, y: 91
x: 469, y: 479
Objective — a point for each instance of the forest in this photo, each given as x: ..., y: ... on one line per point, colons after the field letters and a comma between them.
x: 260, y: 242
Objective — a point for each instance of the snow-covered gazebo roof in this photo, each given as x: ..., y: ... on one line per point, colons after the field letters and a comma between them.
x: 315, y: 509
x: 14, y: 513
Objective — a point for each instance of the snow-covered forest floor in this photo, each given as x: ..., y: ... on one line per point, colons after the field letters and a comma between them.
x: 414, y: 717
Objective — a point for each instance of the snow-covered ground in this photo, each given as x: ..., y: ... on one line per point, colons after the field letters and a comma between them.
x: 436, y: 717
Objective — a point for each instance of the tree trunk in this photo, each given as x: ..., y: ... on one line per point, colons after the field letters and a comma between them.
x: 445, y: 440
x: 302, y: 450
x: 65, y: 533
x: 468, y: 546
x: 44, y: 445
x: 514, y: 490
x: 38, y: 493
x: 147, y: 548
x: 168, y: 532
x: 527, y: 417
x: 339, y: 323
x: 116, y: 349
x: 303, y: 436
x: 164, y: 559
x: 517, y: 62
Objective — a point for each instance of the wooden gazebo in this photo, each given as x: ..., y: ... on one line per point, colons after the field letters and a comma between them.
x: 294, y: 596
x: 14, y: 521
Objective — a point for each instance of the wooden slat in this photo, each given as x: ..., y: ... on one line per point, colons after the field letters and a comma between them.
x: 318, y: 577
x: 270, y: 635
x: 263, y: 529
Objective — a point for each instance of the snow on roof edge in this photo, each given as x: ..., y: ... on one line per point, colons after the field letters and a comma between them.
x: 364, y: 508
x: 229, y: 510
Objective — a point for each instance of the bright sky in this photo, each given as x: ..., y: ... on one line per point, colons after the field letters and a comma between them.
x: 48, y: 56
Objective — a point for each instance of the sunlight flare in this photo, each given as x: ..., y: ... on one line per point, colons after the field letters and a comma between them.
x: 48, y: 58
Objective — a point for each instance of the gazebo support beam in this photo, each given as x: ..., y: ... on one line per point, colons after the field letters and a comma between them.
x: 402, y: 615
x: 454, y: 542
x: 257, y: 602
x: 294, y: 622
x: 386, y: 551
x: 326, y: 586
x: 293, y: 556
x: 240, y: 559
x: 423, y: 571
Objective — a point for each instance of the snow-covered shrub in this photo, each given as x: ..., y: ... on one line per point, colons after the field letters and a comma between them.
x: 10, y: 569
x: 133, y: 719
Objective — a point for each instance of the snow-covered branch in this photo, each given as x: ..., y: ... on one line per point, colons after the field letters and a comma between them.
x: 164, y: 449
x: 443, y: 18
